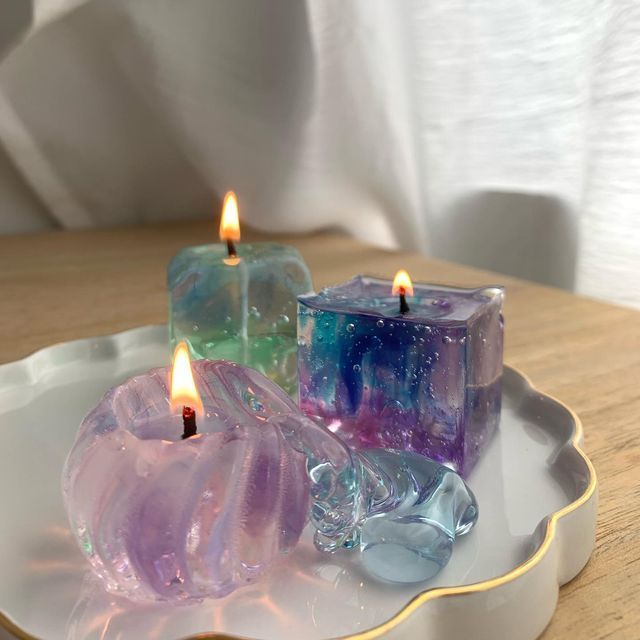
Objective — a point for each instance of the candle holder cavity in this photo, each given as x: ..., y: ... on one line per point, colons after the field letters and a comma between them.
x: 424, y: 379
x: 240, y: 308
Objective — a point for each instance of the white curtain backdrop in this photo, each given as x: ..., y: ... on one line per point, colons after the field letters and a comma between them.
x: 499, y: 133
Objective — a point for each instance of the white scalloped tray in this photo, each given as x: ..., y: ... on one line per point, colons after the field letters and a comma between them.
x: 535, y: 487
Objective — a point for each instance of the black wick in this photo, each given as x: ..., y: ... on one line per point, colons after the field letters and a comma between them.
x: 189, y: 422
x: 404, y: 307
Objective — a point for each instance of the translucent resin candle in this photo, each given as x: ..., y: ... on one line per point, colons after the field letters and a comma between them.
x: 428, y: 380
x: 161, y: 518
x: 241, y: 309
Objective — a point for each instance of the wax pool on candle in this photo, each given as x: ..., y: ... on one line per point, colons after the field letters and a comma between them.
x: 428, y: 380
x: 241, y: 309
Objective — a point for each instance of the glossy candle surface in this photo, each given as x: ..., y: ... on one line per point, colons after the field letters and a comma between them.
x: 427, y: 381
x: 242, y: 309
x: 161, y: 518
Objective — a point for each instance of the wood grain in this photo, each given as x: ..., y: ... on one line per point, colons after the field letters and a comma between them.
x: 67, y: 285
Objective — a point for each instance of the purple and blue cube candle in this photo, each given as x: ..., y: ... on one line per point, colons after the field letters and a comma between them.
x: 427, y: 379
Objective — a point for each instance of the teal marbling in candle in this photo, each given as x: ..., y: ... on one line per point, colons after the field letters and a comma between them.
x: 239, y: 309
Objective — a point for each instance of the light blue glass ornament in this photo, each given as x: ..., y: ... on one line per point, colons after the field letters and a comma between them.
x: 401, y: 510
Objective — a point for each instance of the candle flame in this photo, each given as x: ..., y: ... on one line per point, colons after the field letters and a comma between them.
x: 402, y: 284
x: 229, y: 223
x: 183, y: 387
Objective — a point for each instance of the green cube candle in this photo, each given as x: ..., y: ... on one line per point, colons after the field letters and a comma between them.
x: 238, y: 303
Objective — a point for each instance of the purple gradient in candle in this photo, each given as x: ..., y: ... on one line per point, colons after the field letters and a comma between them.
x: 427, y: 381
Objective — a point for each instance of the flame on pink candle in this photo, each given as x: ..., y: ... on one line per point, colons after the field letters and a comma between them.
x: 183, y: 387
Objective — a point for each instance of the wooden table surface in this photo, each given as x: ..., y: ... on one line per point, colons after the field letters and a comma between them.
x: 66, y: 285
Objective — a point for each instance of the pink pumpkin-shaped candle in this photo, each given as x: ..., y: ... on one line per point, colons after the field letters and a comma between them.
x: 165, y: 518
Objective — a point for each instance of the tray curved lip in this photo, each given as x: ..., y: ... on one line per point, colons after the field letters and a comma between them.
x: 117, y: 340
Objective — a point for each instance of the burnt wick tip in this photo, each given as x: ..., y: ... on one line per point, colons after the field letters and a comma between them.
x: 404, y: 307
x: 189, y: 422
